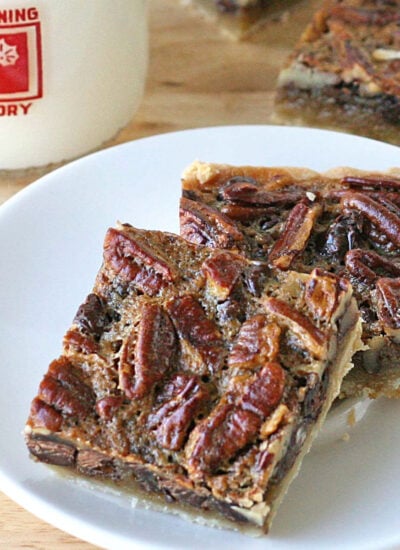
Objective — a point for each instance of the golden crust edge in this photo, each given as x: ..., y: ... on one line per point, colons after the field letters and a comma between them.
x: 207, y: 174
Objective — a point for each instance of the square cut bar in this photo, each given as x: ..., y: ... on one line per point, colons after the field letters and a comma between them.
x: 345, y: 221
x: 191, y: 374
x: 344, y: 72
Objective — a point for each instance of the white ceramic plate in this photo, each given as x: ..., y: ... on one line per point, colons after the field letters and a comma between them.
x: 347, y: 494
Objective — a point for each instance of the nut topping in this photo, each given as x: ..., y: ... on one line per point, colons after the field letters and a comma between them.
x: 44, y: 416
x: 219, y: 437
x: 311, y: 336
x: 236, y: 419
x: 378, y: 214
x: 322, y: 293
x: 367, y: 265
x: 239, y: 188
x: 247, y: 191
x: 63, y: 389
x: 295, y: 235
x: 198, y: 333
x: 181, y: 399
x: 261, y: 392
x: 222, y: 270
x: 91, y: 317
x: 371, y: 183
x: 204, y: 225
x: 388, y: 296
x: 247, y: 213
x: 146, y: 358
x: 79, y: 342
x: 122, y: 253
x: 257, y: 342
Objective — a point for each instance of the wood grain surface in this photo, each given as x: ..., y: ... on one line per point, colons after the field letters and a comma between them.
x: 197, y: 77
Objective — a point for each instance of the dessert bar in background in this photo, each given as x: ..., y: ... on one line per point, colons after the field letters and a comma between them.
x: 344, y: 221
x: 195, y: 375
x: 345, y: 71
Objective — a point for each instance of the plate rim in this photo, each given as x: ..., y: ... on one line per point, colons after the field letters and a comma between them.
x: 15, y: 490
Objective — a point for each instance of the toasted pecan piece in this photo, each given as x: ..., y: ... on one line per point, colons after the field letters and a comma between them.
x: 131, y: 259
x: 147, y: 353
x: 204, y: 225
x: 199, y: 335
x: 379, y: 215
x: 181, y: 399
x: 388, y: 294
x: 297, y: 231
x: 258, y: 341
x: 222, y: 271
x: 314, y: 339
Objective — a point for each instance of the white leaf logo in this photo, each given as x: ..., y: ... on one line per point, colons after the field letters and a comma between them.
x: 8, y: 53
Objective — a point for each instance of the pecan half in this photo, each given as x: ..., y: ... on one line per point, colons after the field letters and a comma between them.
x: 371, y: 183
x: 383, y: 219
x: 388, y: 302
x: 247, y: 191
x: 204, y: 225
x: 248, y: 213
x: 219, y: 437
x: 385, y: 199
x: 79, y: 342
x: 378, y: 239
x: 91, y: 317
x: 182, y: 398
x: 222, y: 270
x: 146, y: 358
x: 296, y: 233
x: 134, y: 260
x: 44, y: 416
x: 199, y: 334
x: 382, y: 196
x: 261, y: 392
x: 367, y: 266
x: 89, y: 323
x: 236, y: 420
x: 63, y: 389
x: 311, y: 336
x: 258, y: 341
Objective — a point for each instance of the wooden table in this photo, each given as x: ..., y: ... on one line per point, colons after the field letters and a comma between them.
x: 197, y: 77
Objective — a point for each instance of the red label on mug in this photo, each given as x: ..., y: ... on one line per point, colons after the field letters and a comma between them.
x: 21, y: 77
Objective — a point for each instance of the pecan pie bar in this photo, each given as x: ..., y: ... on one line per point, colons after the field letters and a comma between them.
x: 345, y: 221
x: 191, y: 374
x: 345, y: 71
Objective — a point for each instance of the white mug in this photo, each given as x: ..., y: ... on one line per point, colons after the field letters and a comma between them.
x: 72, y: 74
